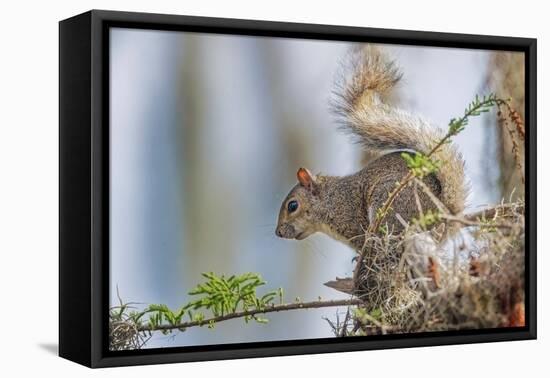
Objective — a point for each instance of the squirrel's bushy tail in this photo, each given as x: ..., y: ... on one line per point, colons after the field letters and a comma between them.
x: 367, y: 77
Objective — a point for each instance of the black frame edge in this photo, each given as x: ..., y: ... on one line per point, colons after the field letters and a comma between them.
x: 531, y: 184
x: 100, y: 187
x: 294, y: 348
x: 75, y: 333
x: 313, y: 31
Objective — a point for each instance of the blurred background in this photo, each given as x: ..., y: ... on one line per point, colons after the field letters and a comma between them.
x: 207, y: 132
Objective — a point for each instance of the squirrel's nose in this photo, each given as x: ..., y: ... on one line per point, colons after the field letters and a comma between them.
x: 278, y: 232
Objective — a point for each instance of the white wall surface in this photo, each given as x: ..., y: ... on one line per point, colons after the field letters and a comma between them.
x: 29, y: 186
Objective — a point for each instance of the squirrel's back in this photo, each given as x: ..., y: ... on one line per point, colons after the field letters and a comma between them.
x: 367, y: 78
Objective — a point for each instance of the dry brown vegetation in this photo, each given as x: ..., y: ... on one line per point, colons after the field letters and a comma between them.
x: 414, y: 282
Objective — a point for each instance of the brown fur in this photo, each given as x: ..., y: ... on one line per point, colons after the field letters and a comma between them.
x: 344, y: 207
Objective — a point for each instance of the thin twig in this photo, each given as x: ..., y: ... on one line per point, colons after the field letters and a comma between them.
x: 410, y: 175
x: 492, y: 212
x: 436, y: 201
x: 242, y: 314
x: 467, y: 222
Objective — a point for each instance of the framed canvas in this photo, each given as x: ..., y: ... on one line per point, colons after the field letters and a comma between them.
x: 235, y: 188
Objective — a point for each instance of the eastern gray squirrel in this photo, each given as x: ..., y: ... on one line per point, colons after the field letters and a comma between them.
x: 344, y: 207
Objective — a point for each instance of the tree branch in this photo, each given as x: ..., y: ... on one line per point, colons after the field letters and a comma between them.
x: 242, y: 314
x: 492, y: 212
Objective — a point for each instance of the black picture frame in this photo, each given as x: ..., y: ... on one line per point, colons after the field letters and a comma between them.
x: 84, y: 187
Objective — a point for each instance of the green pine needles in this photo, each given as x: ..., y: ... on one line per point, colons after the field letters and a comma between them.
x: 222, y: 296
x: 218, y: 296
x: 421, y: 165
x: 478, y: 106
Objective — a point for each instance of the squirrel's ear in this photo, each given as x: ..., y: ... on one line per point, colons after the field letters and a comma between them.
x: 306, y: 179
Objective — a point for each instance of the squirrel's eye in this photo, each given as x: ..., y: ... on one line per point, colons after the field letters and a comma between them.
x: 292, y: 206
